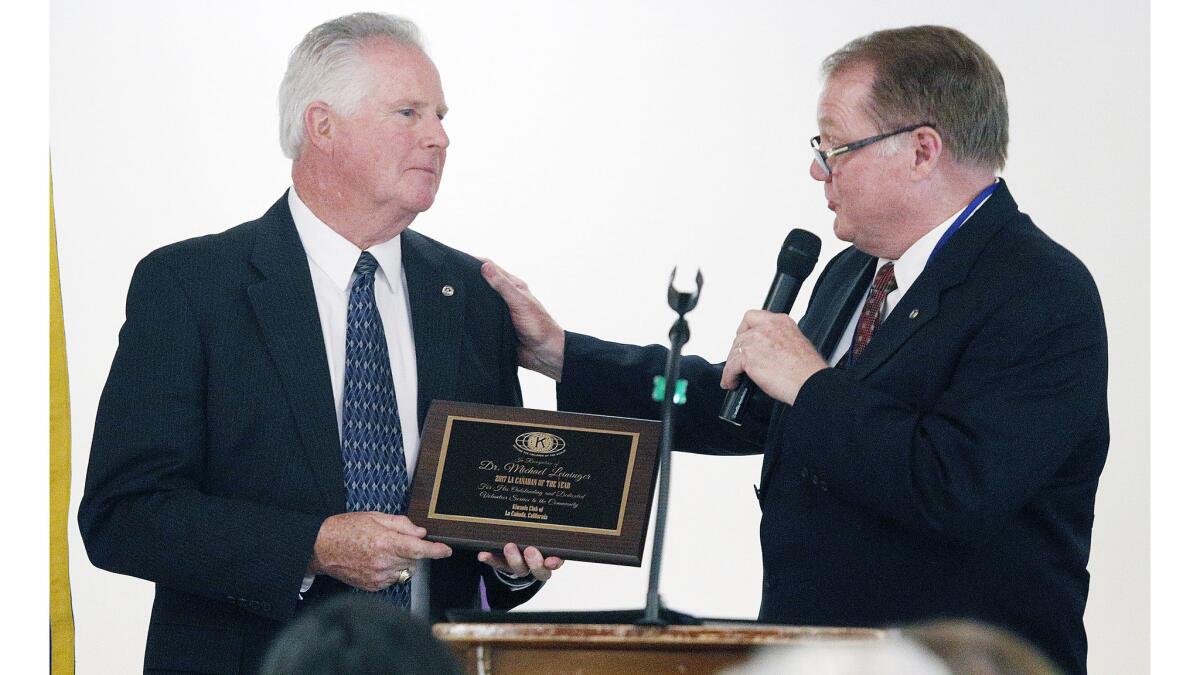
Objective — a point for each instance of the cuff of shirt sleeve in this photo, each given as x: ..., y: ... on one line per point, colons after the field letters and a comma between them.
x: 515, y: 583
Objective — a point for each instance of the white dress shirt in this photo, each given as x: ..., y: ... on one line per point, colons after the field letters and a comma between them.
x: 907, y: 267
x: 331, y: 261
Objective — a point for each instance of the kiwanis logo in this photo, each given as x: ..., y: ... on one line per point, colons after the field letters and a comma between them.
x: 540, y: 444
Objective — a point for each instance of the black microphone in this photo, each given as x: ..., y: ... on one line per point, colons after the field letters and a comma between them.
x: 796, y: 261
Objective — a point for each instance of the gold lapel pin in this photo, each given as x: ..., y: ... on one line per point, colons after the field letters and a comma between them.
x: 447, y: 290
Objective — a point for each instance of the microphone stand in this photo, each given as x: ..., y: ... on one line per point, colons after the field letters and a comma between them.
x: 671, y: 391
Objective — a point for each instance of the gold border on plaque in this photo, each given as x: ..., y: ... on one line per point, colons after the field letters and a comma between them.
x: 432, y: 513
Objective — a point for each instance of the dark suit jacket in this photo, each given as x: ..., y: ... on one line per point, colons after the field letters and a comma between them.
x: 950, y: 472
x: 216, y: 454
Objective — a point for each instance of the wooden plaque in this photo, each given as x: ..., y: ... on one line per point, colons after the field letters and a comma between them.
x: 575, y: 486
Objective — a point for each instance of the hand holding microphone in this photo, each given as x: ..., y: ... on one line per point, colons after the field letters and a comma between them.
x: 769, y: 348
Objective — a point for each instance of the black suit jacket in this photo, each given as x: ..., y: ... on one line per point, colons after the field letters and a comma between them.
x: 216, y: 453
x: 951, y: 471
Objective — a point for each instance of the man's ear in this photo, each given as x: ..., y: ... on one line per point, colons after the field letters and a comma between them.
x: 927, y: 152
x: 318, y: 126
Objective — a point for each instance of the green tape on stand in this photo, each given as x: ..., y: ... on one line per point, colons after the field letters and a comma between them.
x: 680, y: 392
x: 660, y: 390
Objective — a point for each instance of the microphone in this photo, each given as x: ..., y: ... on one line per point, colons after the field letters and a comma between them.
x: 796, y: 261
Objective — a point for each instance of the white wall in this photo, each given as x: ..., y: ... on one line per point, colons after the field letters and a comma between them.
x: 594, y: 145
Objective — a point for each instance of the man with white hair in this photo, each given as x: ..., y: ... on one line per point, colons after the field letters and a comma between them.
x: 256, y: 438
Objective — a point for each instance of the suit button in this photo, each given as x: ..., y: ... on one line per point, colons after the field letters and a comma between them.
x: 804, y: 472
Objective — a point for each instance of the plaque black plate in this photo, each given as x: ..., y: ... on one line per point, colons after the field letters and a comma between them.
x: 576, y: 486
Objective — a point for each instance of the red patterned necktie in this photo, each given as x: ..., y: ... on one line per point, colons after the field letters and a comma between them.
x: 868, y: 321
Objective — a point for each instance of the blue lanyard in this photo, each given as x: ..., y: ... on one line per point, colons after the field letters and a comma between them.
x: 962, y: 218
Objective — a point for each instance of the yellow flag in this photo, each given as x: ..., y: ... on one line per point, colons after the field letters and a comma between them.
x: 62, y: 620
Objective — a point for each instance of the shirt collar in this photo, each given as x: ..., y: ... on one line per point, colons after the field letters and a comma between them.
x: 335, y: 255
x: 912, y: 262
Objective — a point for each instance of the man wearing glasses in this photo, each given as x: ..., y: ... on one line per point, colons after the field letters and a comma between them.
x: 934, y: 429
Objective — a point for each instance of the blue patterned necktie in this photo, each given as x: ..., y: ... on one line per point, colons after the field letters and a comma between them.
x: 372, y: 446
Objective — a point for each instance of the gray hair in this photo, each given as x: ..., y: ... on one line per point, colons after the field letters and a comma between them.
x: 937, y: 75
x: 327, y: 66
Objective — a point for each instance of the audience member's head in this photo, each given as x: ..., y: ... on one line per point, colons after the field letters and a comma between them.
x: 979, y: 649
x: 357, y: 634
x: 891, y: 655
x: 935, y: 648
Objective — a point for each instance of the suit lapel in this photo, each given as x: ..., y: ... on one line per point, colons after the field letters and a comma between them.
x: 918, y: 306
x: 286, y: 309
x: 825, y: 320
x: 946, y: 270
x: 823, y: 324
x: 436, y: 300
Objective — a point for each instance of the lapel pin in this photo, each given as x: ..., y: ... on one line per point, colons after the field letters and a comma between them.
x: 912, y: 315
x: 447, y: 290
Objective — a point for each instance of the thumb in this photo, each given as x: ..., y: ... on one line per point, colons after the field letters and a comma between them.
x: 399, y: 524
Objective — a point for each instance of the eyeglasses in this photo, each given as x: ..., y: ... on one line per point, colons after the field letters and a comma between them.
x: 823, y: 156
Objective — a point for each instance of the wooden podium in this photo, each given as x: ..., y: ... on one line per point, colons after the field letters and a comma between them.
x: 586, y: 649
